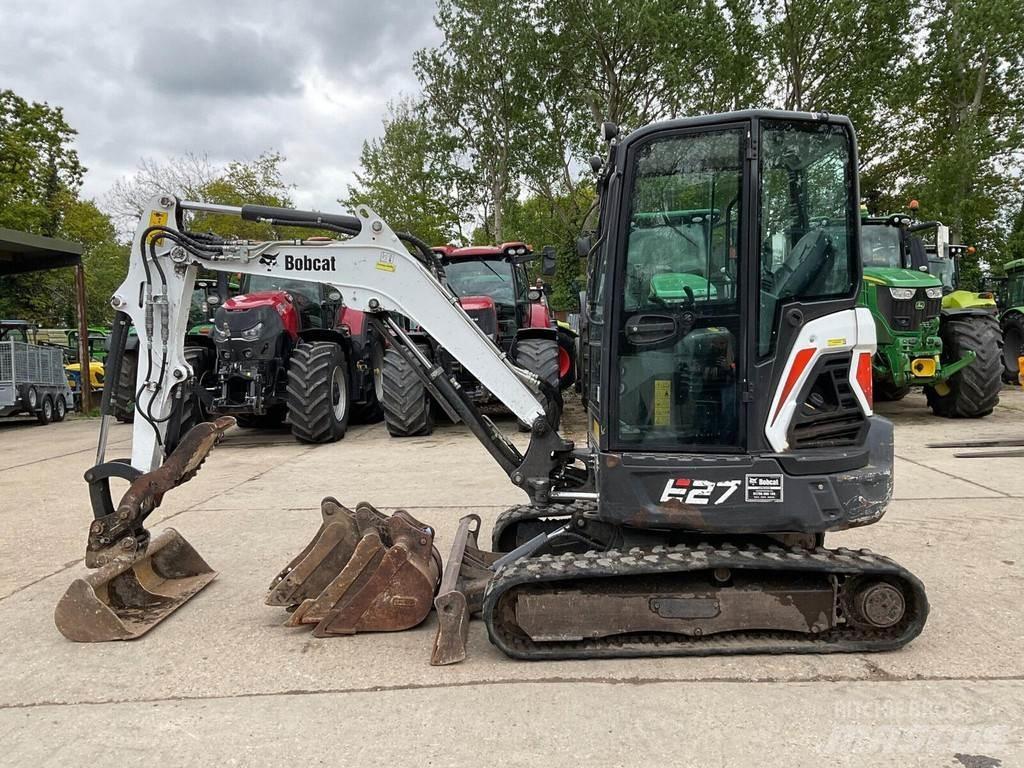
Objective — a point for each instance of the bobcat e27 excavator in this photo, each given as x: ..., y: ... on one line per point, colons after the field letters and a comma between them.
x: 728, y: 384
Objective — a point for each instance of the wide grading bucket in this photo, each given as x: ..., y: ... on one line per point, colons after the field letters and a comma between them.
x: 129, y: 596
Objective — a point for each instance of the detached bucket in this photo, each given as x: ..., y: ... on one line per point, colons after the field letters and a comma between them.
x: 128, y: 597
x: 363, y: 571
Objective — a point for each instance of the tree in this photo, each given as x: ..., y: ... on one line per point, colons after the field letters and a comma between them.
x: 194, y: 177
x: 966, y: 112
x: 39, y: 169
x: 842, y: 56
x: 539, y: 221
x: 410, y: 177
x: 480, y: 84
x: 185, y: 176
x: 259, y: 182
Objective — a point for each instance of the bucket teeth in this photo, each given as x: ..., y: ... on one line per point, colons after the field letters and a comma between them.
x: 130, y: 595
x: 363, y: 572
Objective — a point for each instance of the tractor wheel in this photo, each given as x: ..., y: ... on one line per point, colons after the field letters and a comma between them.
x: 371, y: 410
x: 319, y: 396
x: 887, y: 391
x: 407, y: 404
x: 972, y: 391
x: 123, y: 399
x: 45, y: 414
x: 1013, y: 347
x: 540, y: 356
x: 190, y: 404
x: 566, y: 360
x: 60, y: 408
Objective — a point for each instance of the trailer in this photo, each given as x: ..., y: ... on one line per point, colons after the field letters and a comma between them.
x: 32, y: 377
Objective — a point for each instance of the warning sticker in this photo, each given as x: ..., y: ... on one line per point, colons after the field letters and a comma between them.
x: 836, y: 342
x: 386, y: 262
x: 157, y: 219
x: 763, y: 488
x: 662, y: 402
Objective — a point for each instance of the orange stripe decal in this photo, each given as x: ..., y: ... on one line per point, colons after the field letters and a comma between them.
x: 803, y: 357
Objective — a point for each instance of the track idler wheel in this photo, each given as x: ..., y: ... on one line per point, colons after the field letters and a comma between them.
x: 363, y: 572
x: 880, y: 604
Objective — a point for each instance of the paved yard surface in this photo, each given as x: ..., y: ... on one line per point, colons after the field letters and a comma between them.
x: 223, y: 683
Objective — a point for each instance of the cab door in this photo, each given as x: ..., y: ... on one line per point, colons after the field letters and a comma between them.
x: 679, y: 343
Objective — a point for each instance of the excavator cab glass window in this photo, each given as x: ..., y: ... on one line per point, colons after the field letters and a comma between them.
x: 679, y: 339
x: 808, y: 212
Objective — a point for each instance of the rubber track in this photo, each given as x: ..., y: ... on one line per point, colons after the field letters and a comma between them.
x: 975, y: 389
x: 548, y: 569
x: 406, y: 404
x: 526, y: 512
x: 310, y: 410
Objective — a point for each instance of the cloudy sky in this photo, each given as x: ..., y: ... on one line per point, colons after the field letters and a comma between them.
x: 308, y: 78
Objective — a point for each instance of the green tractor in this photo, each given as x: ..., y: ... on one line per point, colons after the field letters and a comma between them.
x: 1011, y: 319
x: 929, y: 333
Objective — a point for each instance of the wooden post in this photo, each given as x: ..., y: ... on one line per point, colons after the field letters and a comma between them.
x: 83, y: 338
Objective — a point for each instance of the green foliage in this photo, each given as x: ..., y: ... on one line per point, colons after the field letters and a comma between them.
x: 258, y: 182
x: 540, y: 222
x: 410, y: 178
x: 39, y: 169
x: 105, y: 260
x: 40, y: 176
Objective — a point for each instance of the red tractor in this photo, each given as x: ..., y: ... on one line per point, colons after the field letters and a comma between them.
x: 493, y: 288
x: 291, y: 348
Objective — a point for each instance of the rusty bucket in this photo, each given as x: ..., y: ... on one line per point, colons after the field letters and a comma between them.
x: 363, y: 571
x: 129, y: 596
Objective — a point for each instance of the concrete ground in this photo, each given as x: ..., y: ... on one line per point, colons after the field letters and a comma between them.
x: 223, y: 683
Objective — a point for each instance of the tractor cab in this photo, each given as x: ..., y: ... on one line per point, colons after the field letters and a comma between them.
x: 494, y: 288
x: 15, y: 330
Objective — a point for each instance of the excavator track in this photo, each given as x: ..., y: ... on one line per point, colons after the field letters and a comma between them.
x: 503, y: 538
x: 644, y: 602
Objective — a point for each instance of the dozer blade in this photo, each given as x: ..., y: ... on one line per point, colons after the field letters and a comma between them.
x: 362, y: 572
x: 129, y: 596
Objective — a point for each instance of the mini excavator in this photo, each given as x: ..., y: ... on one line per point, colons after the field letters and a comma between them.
x: 726, y: 373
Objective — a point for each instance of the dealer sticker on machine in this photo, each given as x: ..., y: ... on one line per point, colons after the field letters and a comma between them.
x: 763, y: 488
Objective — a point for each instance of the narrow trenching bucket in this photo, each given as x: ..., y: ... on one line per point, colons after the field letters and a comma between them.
x: 461, y: 593
x: 363, y: 571
x: 129, y: 596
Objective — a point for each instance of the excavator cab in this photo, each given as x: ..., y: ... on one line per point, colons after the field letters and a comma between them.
x: 724, y: 343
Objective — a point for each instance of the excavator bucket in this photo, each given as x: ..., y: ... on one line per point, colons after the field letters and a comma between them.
x: 139, y: 582
x: 466, y: 574
x: 363, y: 572
x: 126, y: 598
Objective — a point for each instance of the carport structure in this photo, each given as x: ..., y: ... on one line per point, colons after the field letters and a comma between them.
x: 22, y: 252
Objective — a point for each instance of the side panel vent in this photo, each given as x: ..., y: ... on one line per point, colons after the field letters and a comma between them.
x: 829, y: 414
